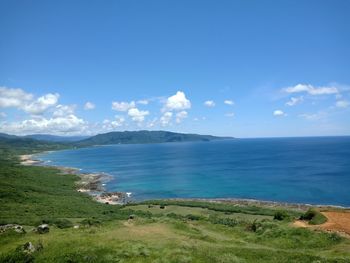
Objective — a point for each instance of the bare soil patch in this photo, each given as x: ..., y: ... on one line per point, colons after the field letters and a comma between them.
x: 337, y: 221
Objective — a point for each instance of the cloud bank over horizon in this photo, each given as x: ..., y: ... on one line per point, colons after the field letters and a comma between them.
x: 26, y: 113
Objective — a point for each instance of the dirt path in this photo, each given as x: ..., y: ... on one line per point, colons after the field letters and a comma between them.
x: 337, y: 222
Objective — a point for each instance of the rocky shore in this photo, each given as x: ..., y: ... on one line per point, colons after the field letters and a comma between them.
x: 90, y: 183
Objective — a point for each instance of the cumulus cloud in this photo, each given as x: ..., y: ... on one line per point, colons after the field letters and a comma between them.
x: 16, y: 98
x: 63, y: 110
x: 180, y: 116
x: 311, y: 89
x: 89, y: 106
x: 342, y: 104
x: 110, y: 125
x: 229, y: 102
x: 209, y: 103
x: 137, y: 115
x: 177, y: 102
x: 294, y: 100
x: 19, y: 99
x: 56, y: 125
x: 123, y: 106
x: 278, y: 113
x: 230, y: 114
x: 41, y: 104
x: 166, y: 118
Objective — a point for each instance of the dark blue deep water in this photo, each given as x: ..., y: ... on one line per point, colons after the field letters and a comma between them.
x: 302, y: 170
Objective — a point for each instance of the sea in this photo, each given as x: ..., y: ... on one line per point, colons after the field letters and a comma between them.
x: 308, y: 170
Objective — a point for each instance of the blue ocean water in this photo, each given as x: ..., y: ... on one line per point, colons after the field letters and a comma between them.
x: 303, y: 170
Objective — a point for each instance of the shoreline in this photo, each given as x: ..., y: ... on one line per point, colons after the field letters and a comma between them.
x: 93, y: 184
x: 89, y: 183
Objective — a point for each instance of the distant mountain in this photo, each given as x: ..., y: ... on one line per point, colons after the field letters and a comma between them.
x: 132, y: 137
x: 12, y: 143
x: 55, y: 138
x: 8, y: 136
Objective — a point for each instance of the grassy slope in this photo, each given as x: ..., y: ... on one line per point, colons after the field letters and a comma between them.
x: 30, y: 194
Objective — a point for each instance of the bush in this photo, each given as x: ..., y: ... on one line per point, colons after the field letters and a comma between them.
x: 280, y: 215
x: 253, y: 226
x: 314, y: 217
x: 174, y: 216
x: 193, y: 217
x: 17, y: 256
x: 63, y: 223
x: 90, y: 222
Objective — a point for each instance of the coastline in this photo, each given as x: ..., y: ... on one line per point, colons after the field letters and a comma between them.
x: 89, y: 183
x: 93, y: 185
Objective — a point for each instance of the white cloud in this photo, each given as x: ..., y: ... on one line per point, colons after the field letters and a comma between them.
x: 122, y: 106
x: 89, y: 106
x: 57, y: 125
x: 166, y: 118
x: 294, y: 100
x: 311, y: 89
x: 230, y: 114
x: 63, y: 110
x: 229, y: 102
x: 16, y: 98
x: 143, y: 102
x: 19, y: 99
x: 342, y: 104
x: 180, y: 116
x: 41, y: 104
x: 177, y: 102
x: 278, y: 113
x: 137, y: 115
x: 110, y: 125
x: 209, y: 103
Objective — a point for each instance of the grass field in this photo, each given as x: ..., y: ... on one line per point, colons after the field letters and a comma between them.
x: 181, y: 231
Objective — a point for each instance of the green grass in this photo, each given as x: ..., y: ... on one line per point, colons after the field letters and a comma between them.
x: 184, y: 231
x: 198, y: 211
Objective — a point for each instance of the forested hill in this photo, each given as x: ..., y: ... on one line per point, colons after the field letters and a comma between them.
x: 130, y: 137
x: 50, y: 142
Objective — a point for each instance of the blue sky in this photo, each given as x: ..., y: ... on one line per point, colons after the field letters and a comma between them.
x: 283, y: 67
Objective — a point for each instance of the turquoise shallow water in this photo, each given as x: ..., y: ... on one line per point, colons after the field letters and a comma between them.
x: 303, y: 170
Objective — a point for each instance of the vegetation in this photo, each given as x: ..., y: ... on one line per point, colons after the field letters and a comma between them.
x: 82, y: 230
x: 130, y: 137
x: 314, y: 217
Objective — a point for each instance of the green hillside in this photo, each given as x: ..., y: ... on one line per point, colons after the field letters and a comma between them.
x: 129, y: 137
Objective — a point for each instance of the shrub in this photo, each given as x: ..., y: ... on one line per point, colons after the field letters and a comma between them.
x: 314, y: 217
x: 63, y: 223
x: 280, y: 215
x: 174, y: 216
x: 253, y: 226
x: 91, y: 222
x: 193, y: 217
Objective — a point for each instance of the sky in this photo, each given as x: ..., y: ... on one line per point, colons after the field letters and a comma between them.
x: 235, y: 68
